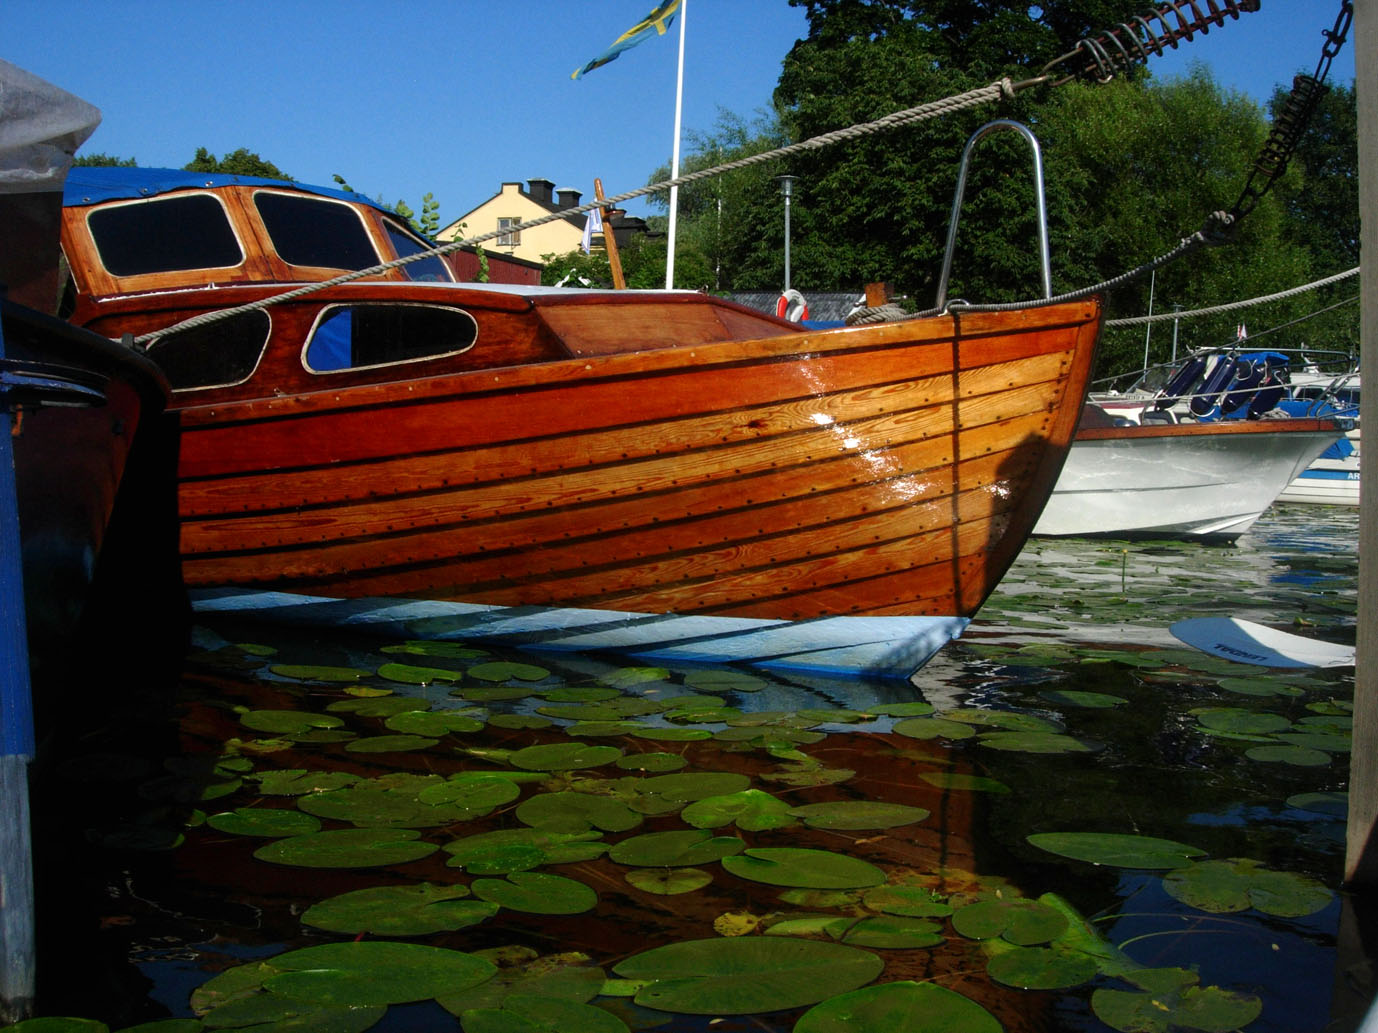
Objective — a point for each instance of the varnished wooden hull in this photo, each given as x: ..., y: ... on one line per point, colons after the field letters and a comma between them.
x: 886, y: 471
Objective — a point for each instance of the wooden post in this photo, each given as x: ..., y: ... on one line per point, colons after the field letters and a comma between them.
x: 619, y: 282
x: 16, y: 749
x: 1361, y: 854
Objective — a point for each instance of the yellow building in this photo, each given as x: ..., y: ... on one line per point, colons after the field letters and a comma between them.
x: 512, y: 206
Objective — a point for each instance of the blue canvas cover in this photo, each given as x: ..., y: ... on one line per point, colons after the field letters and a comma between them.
x: 94, y: 184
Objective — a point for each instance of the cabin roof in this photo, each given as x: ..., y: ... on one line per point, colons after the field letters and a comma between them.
x: 94, y: 184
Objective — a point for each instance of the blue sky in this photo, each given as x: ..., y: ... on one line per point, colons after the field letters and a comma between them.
x: 457, y: 96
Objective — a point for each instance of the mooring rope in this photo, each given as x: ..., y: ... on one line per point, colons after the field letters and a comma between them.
x: 1247, y: 303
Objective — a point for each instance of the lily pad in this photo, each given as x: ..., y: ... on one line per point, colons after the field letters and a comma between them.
x: 1040, y: 968
x: 933, y: 728
x: 564, y: 756
x: 958, y: 780
x: 408, y: 674
x: 914, y: 901
x: 537, y: 893
x: 751, y: 810
x: 576, y: 812
x: 890, y: 932
x: 270, y: 822
x: 898, y: 1006
x: 312, y: 672
x: 675, y: 848
x: 1077, y: 698
x: 286, y: 722
x: 391, y: 744
x: 514, y: 850
x: 1036, y: 742
x: 347, y: 848
x: 746, y: 975
x: 536, y: 1014
x: 1121, y: 851
x: 724, y: 680
x: 669, y: 881
x: 1223, y: 887
x: 1285, y: 753
x: 858, y: 814
x: 499, y: 671
x: 370, y: 972
x: 653, y: 761
x: 1019, y: 921
x: 1333, y: 804
x: 399, y: 911
x: 434, y: 724
x: 804, y: 868
x: 1171, y: 1000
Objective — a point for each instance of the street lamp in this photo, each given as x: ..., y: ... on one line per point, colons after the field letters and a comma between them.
x: 787, y: 188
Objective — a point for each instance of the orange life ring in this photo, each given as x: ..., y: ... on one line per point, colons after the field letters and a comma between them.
x: 792, y: 306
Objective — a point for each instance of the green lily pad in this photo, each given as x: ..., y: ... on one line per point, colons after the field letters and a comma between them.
x: 407, y: 674
x: 399, y: 911
x: 1077, y: 698
x: 286, y: 722
x: 576, y: 812
x: 1017, y: 920
x: 858, y: 814
x: 534, y: 1014
x: 347, y: 848
x: 669, y: 881
x: 688, y: 786
x: 914, y: 901
x: 311, y: 672
x: 1222, y: 887
x: 375, y: 805
x: 523, y: 974
x: 1040, y: 968
x: 1036, y: 742
x: 724, y: 680
x: 804, y: 868
x: 391, y: 744
x: 887, y: 932
x: 675, y: 848
x: 270, y: 822
x: 564, y: 756
x: 958, y: 780
x: 1008, y: 720
x: 270, y: 1011
x: 751, y: 810
x: 384, y: 706
x: 1238, y: 721
x: 933, y: 728
x: 56, y: 1024
x: 519, y: 722
x: 626, y: 677
x: 435, y: 647
x: 1284, y: 753
x: 671, y: 734
x: 537, y: 893
x: 514, y: 850
x: 899, y: 1006
x: 1333, y: 804
x: 371, y: 972
x: 1171, y: 1000
x: 1258, y: 687
x: 651, y: 761
x: 1121, y: 851
x: 471, y: 794
x: 434, y: 724
x: 502, y: 671
x: 746, y: 975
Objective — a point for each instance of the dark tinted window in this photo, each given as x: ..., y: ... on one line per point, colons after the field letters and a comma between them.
x: 312, y: 231
x: 405, y: 244
x: 372, y: 335
x: 185, y: 231
x: 223, y: 352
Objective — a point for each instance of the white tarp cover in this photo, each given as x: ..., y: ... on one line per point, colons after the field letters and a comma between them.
x: 41, y: 126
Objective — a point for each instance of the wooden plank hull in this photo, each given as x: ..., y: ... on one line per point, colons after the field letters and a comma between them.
x: 891, y: 471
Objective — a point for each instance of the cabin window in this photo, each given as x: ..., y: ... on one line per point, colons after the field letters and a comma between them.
x: 355, y: 336
x: 316, y: 232
x: 430, y: 269
x: 215, y: 354
x: 510, y: 234
x: 182, y: 231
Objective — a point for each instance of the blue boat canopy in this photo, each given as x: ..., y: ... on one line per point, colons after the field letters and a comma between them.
x: 1276, y: 358
x: 93, y: 184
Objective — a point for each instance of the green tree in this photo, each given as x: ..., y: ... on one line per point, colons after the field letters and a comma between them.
x: 241, y: 162
x: 103, y: 160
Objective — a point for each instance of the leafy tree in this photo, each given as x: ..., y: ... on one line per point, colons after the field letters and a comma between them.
x: 242, y: 162
x: 103, y: 160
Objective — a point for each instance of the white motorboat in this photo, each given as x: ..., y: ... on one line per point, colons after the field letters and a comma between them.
x: 1157, y: 479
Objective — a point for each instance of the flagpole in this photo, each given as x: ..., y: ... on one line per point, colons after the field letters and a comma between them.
x: 674, y: 160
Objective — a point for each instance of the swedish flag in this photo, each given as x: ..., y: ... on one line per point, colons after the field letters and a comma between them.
x: 658, y: 21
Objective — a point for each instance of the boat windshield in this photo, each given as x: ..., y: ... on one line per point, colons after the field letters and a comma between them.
x: 356, y: 336
x: 165, y: 234
x: 431, y: 269
x: 313, y: 231
x: 215, y: 354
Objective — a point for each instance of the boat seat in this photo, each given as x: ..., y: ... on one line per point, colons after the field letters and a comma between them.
x: 1158, y: 416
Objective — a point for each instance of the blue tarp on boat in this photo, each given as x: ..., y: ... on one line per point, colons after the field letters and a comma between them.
x: 96, y: 183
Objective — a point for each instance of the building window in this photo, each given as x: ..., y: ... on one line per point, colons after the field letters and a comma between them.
x: 511, y: 235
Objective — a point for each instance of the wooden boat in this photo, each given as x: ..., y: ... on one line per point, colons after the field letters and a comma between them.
x: 1197, y: 480
x: 665, y: 474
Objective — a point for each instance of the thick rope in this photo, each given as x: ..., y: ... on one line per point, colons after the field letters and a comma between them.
x: 1216, y: 309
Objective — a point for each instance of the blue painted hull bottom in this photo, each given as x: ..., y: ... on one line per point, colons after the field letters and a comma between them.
x: 869, y: 647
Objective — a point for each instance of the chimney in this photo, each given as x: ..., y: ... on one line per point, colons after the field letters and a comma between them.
x: 569, y: 197
x: 541, y: 190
